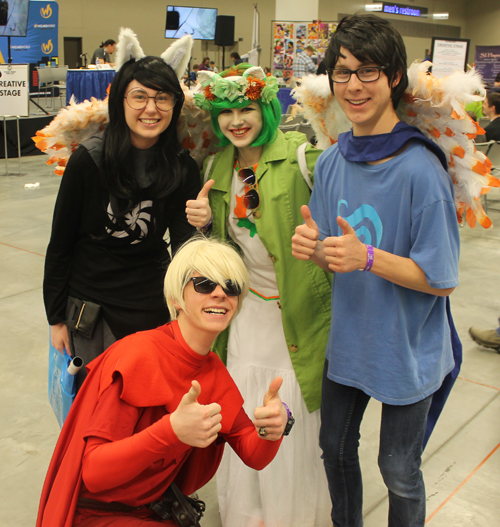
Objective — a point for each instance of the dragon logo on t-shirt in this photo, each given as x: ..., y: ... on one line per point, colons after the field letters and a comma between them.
x: 138, y: 220
x: 365, y: 221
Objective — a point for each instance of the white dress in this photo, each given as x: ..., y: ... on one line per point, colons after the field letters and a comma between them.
x: 292, y: 491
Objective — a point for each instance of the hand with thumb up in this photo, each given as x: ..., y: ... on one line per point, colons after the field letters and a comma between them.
x: 345, y: 253
x: 272, y: 416
x: 195, y: 424
x: 305, y: 239
x: 198, y: 210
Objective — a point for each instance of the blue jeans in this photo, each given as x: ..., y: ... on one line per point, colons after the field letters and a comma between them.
x: 401, y: 434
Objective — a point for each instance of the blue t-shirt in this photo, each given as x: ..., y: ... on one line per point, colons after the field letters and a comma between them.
x: 389, y: 341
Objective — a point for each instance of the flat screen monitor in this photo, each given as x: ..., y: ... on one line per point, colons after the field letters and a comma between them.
x: 14, y: 18
x: 199, y: 22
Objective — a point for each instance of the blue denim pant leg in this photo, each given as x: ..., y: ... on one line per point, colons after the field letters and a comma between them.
x: 342, y: 410
x: 400, y: 456
x: 401, y: 436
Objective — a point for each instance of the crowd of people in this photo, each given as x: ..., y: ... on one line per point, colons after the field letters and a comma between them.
x: 293, y: 286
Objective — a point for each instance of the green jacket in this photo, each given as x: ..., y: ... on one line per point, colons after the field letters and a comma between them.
x: 305, y: 290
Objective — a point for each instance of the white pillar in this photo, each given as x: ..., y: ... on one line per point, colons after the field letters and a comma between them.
x: 297, y: 10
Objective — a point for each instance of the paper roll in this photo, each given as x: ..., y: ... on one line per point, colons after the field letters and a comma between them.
x: 75, y: 365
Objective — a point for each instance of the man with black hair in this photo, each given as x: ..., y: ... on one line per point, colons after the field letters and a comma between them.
x: 235, y: 57
x: 383, y: 204
x: 491, y: 109
x: 104, y: 52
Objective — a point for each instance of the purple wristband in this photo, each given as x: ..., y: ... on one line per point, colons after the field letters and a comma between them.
x: 287, y: 410
x: 369, y: 258
x: 209, y: 223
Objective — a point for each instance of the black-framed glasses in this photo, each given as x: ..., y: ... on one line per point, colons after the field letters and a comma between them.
x: 205, y: 286
x: 364, y: 74
x: 138, y: 98
x: 251, y: 199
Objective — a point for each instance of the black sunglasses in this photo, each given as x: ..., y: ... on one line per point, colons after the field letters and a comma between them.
x: 205, y: 286
x: 251, y: 199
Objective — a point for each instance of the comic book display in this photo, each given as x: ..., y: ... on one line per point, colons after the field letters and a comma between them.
x: 291, y: 38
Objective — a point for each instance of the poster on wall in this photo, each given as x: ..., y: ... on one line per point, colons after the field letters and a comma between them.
x: 40, y: 42
x: 291, y: 38
x: 449, y: 55
x: 487, y: 62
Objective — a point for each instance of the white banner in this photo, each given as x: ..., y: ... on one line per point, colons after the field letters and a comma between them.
x: 14, y: 89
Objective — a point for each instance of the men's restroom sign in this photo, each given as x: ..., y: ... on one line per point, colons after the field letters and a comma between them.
x: 14, y: 89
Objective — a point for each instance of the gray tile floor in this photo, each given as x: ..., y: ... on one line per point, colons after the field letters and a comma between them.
x: 461, y: 463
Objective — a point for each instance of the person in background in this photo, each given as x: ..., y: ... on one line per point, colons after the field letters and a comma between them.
x: 382, y: 219
x: 104, y: 52
x: 194, y: 74
x: 258, y: 189
x: 303, y: 64
x: 121, y: 191
x: 235, y: 57
x: 496, y: 84
x: 488, y: 338
x: 491, y: 109
x: 213, y: 67
x: 205, y: 64
x: 158, y: 407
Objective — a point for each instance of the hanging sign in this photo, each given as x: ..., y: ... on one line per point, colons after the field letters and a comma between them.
x: 449, y: 55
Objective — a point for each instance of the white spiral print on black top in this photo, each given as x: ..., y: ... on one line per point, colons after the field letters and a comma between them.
x: 139, y: 221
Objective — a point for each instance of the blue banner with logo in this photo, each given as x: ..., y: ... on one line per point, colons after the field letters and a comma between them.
x: 488, y: 62
x: 40, y: 41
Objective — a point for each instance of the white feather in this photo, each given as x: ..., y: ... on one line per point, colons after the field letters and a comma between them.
x: 255, y: 71
x: 437, y: 108
x: 205, y: 76
x: 321, y: 109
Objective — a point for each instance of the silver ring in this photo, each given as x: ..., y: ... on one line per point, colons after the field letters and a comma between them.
x: 262, y: 431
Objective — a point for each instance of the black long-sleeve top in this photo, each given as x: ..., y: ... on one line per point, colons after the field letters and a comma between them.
x: 91, y: 258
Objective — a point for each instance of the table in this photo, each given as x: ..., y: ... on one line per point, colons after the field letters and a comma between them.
x: 84, y: 84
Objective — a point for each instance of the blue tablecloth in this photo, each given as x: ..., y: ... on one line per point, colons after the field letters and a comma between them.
x: 285, y: 98
x: 84, y: 84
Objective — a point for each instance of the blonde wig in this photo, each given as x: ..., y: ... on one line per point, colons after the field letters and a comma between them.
x: 211, y: 258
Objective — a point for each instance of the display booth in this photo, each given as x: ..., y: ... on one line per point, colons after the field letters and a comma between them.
x: 291, y: 38
x: 40, y: 45
x: 32, y: 32
x: 487, y: 62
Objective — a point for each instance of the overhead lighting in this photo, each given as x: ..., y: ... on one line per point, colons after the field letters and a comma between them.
x: 441, y: 16
x: 373, y: 7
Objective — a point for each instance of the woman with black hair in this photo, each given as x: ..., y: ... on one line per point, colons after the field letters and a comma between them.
x: 122, y: 190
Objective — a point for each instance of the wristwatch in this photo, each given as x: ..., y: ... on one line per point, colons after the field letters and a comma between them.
x: 290, y: 422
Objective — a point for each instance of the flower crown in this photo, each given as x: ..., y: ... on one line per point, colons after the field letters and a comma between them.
x: 251, y: 86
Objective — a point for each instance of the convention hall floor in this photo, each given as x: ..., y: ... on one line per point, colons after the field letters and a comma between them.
x: 461, y: 463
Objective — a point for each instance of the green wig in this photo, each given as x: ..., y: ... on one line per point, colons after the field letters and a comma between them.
x: 237, y: 88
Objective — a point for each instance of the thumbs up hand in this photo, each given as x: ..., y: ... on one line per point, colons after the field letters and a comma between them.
x: 198, y: 210
x: 345, y: 253
x: 272, y: 415
x: 305, y: 239
x: 193, y: 423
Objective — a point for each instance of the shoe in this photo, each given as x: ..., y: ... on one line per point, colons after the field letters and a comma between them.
x: 488, y: 338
